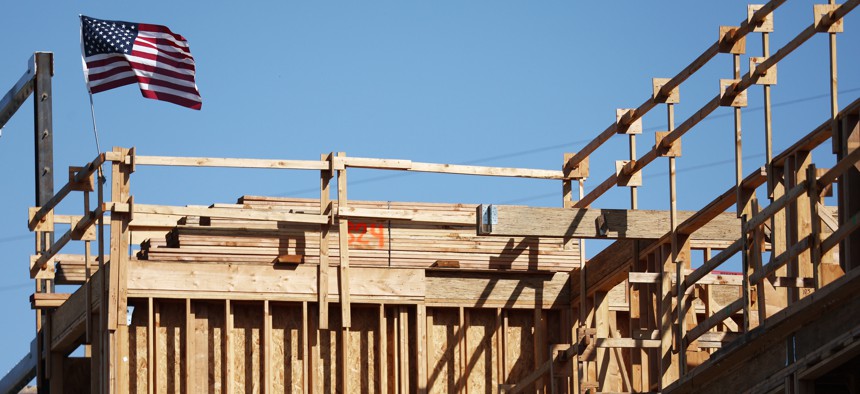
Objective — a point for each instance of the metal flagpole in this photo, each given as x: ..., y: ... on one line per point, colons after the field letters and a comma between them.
x: 87, y: 83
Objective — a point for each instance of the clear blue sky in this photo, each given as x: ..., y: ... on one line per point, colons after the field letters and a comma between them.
x: 505, y: 83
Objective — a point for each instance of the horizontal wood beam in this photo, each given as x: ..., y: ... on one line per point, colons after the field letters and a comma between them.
x: 221, y: 162
x: 414, y: 215
x: 47, y: 300
x: 230, y: 213
x: 601, y: 223
x: 628, y: 343
x: 408, y: 165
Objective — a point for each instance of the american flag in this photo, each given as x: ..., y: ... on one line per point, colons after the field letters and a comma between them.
x: 118, y: 53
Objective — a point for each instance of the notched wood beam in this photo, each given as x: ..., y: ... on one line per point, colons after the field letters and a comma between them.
x: 601, y: 223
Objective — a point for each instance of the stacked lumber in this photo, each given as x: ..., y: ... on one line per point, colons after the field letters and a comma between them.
x: 372, y: 242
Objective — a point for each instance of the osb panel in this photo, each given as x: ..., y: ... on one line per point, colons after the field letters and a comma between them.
x: 481, y: 376
x: 443, y: 351
x: 137, y: 357
x: 208, y: 346
x: 287, y: 348
x: 169, y: 344
x: 326, y: 361
x: 248, y: 355
x: 519, y: 345
x: 362, y: 349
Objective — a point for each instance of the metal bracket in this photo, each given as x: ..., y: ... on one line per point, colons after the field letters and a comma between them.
x: 600, y: 224
x: 130, y: 312
x: 489, y: 216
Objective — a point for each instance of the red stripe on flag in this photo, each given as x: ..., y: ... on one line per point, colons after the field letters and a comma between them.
x: 114, y: 84
x: 172, y: 99
x: 159, y: 29
x: 168, y: 84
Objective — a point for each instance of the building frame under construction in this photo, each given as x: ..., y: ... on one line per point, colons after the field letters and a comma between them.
x: 336, y: 295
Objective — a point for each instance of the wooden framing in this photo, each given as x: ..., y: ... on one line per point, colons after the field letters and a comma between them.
x: 328, y: 295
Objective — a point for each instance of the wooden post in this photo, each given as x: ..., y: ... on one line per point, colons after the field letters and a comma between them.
x: 305, y: 350
x: 383, y: 350
x: 668, y: 356
x: 421, y: 348
x: 150, y: 347
x: 118, y: 272
x: 779, y: 235
x: 814, y: 195
x: 189, y: 347
x: 343, y: 235
x: 268, y: 373
x: 403, y: 322
x: 800, y: 223
x: 325, y: 229
x: 601, y: 322
x: 228, y: 348
x: 849, y: 189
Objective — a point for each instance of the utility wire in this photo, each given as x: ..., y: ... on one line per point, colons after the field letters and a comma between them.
x: 15, y: 286
x: 573, y: 144
x: 15, y: 238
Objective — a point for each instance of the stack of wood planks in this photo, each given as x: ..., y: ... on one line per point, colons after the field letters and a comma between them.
x: 450, y: 240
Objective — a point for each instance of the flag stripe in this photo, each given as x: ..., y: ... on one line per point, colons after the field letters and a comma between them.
x: 171, y: 99
x: 163, y: 39
x: 126, y: 80
x: 161, y: 61
x: 148, y: 47
x: 144, y: 27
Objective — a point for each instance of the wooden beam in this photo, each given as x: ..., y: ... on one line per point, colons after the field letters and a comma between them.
x: 257, y: 282
x: 47, y: 300
x: 227, y: 213
x: 617, y: 223
x: 225, y: 162
x: 413, y: 215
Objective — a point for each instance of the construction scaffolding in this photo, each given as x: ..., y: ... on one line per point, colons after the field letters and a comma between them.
x: 335, y: 295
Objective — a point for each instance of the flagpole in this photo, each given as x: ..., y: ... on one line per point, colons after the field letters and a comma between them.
x: 93, y: 115
x: 89, y: 91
